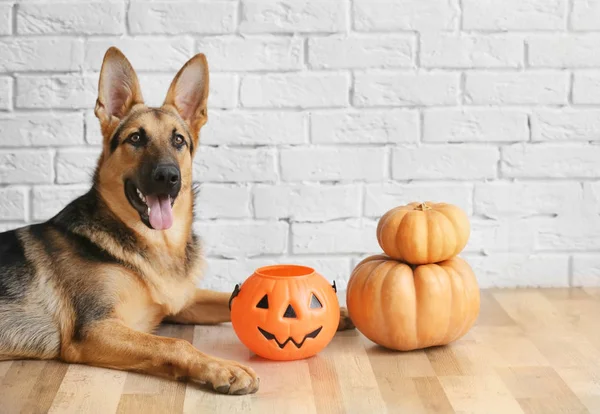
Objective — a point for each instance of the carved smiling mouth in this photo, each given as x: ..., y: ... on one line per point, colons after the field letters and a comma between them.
x: 270, y: 336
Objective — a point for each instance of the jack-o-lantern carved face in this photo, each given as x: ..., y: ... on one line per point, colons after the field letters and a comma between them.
x: 285, y: 312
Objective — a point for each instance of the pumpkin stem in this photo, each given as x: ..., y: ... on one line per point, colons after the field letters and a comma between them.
x: 423, y: 207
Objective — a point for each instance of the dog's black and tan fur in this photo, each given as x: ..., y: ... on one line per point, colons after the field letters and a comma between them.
x: 91, y: 284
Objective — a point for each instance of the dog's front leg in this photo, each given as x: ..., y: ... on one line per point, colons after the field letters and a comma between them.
x: 209, y: 308
x: 111, y: 344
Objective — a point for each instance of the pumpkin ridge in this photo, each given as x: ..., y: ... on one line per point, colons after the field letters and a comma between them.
x: 448, y: 266
x: 466, y: 322
x: 445, y: 246
x: 437, y: 234
x: 457, y: 229
x: 447, y: 334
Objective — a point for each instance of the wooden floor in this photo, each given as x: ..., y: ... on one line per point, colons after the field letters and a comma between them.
x: 532, y: 351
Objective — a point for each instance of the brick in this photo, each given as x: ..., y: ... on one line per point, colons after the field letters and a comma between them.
x: 591, y: 199
x: 564, y: 51
x: 93, y: 135
x: 520, y: 270
x: 550, y: 161
x: 474, y: 124
x: 254, y: 128
x: 57, y: 91
x: 464, y: 51
x: 390, y: 15
x: 145, y: 54
x: 222, y: 90
x: 222, y: 274
x: 349, y: 52
x: 585, y: 15
x: 168, y: 17
x: 10, y: 225
x: 26, y: 54
x: 572, y: 233
x: 13, y: 201
x: 89, y: 17
x: 517, y: 88
x: 292, y: 16
x: 49, y: 200
x: 234, y: 165
x: 76, y: 165
x: 348, y: 236
x: 233, y: 53
x: 565, y: 125
x: 5, y: 18
x: 519, y: 200
x: 242, y: 239
x: 504, y: 235
x: 25, y: 166
x: 368, y: 127
x: 307, y: 202
x: 6, y: 93
x: 405, y: 89
x: 333, y: 164
x: 381, y: 197
x: 293, y: 90
x: 586, y: 270
x: 490, y: 15
x: 222, y: 201
x: 26, y: 130
x: 435, y: 162
x: 586, y: 88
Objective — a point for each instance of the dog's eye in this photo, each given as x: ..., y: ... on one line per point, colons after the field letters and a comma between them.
x: 178, y: 140
x: 135, y: 138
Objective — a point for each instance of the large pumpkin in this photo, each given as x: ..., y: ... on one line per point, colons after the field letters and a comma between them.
x: 285, y: 312
x: 421, y: 233
x: 405, y: 308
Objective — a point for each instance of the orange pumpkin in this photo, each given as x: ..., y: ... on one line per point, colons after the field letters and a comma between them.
x: 285, y: 312
x: 404, y: 308
x: 421, y: 233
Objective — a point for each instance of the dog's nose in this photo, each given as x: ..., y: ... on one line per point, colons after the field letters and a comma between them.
x: 166, y: 175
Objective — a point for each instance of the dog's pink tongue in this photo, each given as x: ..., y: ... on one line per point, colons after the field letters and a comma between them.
x: 161, y: 213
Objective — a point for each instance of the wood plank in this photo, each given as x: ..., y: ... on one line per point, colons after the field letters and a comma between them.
x: 4, y: 367
x: 479, y: 394
x: 219, y: 341
x: 360, y: 390
x: 87, y: 389
x: 540, y: 390
x: 18, y: 383
x: 325, y: 381
x: 532, y: 350
x: 45, y: 388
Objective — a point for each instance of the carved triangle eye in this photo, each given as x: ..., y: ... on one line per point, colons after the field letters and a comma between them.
x: 263, y: 303
x: 315, y: 303
x: 290, y: 312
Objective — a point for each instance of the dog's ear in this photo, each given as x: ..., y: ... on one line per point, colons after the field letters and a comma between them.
x: 188, y: 93
x: 118, y: 91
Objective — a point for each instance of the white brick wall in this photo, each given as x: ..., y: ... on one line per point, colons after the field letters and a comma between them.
x: 324, y: 114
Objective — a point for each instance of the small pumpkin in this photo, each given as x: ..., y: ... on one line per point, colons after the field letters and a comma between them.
x: 405, y: 308
x: 285, y: 312
x: 421, y: 233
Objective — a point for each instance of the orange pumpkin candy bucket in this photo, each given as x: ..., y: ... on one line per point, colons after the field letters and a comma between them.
x: 285, y: 312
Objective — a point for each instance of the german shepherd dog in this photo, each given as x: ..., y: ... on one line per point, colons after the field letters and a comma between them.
x: 91, y: 284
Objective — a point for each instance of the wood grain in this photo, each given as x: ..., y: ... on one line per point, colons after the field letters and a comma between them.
x: 531, y: 351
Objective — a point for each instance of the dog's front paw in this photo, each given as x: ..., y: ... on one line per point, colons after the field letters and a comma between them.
x: 229, y: 377
x: 345, y: 321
